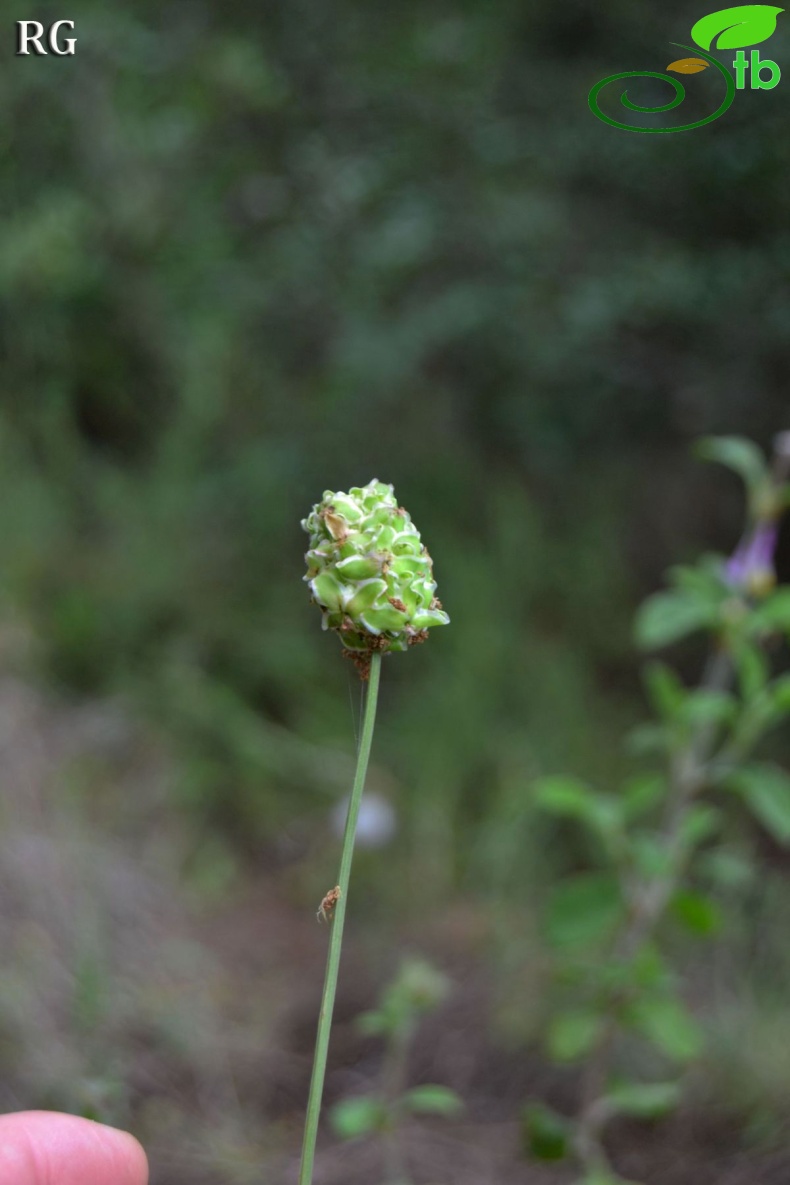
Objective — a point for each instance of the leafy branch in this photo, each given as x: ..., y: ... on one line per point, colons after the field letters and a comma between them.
x: 606, y: 925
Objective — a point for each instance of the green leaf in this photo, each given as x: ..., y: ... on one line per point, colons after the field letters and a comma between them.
x: 664, y: 688
x: 641, y: 793
x: 647, y: 739
x: 357, y: 1117
x: 667, y: 617
x: 761, y: 713
x: 779, y: 693
x: 574, y: 799
x: 766, y: 790
x: 709, y: 707
x: 651, y: 854
x: 433, y: 1100
x: 766, y: 708
x: 752, y: 667
x: 583, y: 910
x: 747, y: 24
x: 666, y: 1023
x: 772, y: 615
x: 644, y: 1100
x: 701, y: 822
x: 648, y: 970
x: 702, y: 580
x: 563, y: 795
x: 371, y: 1024
x: 417, y: 988
x: 572, y: 1035
x: 547, y: 1133
x: 727, y: 868
x: 697, y: 913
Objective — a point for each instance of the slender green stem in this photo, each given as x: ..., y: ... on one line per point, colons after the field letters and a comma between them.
x: 395, y: 1070
x: 336, y: 937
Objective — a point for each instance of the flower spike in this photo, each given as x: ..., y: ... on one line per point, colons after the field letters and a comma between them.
x: 370, y: 573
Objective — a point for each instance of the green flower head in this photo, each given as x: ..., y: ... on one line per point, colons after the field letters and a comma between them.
x: 369, y: 571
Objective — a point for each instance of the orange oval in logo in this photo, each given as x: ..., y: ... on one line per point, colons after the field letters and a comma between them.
x: 688, y: 65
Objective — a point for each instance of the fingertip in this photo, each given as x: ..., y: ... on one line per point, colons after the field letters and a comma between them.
x: 38, y: 1147
x: 128, y: 1152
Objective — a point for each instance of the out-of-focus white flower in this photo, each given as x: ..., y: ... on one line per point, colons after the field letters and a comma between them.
x: 377, y: 823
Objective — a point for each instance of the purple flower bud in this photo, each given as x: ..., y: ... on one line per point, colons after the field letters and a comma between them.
x: 750, y: 568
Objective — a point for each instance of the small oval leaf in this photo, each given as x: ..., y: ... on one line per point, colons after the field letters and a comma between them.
x: 359, y: 1116
x: 688, y: 65
x: 433, y: 1100
x: 647, y: 1101
x: 766, y: 789
x: 548, y: 1134
x: 747, y: 24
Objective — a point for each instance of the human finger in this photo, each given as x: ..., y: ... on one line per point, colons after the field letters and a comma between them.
x: 49, y: 1148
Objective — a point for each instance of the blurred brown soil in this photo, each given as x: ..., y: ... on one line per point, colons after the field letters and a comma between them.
x: 455, y: 1048
x: 126, y: 996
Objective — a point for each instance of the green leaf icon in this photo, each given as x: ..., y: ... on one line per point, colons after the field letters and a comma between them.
x: 748, y: 24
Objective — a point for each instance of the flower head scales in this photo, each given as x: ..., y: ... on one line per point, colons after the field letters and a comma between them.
x: 369, y: 572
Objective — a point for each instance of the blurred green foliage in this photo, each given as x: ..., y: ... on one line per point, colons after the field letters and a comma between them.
x: 252, y: 251
x: 653, y: 850
x: 417, y: 989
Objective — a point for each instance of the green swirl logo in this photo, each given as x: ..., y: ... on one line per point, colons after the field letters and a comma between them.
x: 731, y: 28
